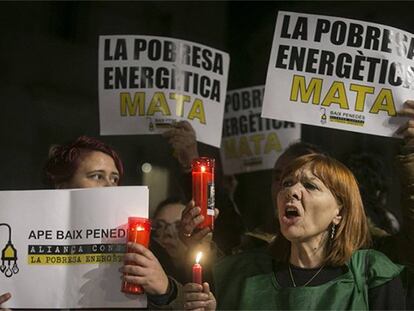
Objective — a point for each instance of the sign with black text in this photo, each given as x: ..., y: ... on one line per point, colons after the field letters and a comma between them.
x: 339, y: 73
x: 64, y: 248
x: 146, y: 83
x: 250, y: 142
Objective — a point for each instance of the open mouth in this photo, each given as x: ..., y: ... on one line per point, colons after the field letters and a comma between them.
x: 291, y: 212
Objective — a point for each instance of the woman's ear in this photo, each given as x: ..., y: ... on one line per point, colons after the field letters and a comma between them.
x: 337, y: 219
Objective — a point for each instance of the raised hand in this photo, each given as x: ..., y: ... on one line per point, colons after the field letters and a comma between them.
x: 190, y: 218
x: 145, y: 270
x: 407, y: 129
x: 198, y: 297
x: 182, y: 138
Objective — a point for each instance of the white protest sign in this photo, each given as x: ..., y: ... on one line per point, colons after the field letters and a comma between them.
x: 146, y: 83
x: 63, y: 248
x: 250, y: 142
x: 339, y: 73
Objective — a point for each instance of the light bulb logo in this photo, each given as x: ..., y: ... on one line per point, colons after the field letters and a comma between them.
x: 323, y: 116
x: 9, y: 257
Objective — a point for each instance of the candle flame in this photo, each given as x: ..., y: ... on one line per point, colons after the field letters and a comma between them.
x: 203, y: 168
x: 199, y: 254
x: 139, y: 228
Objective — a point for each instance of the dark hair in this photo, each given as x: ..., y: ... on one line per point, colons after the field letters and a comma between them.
x: 167, y: 201
x: 64, y: 159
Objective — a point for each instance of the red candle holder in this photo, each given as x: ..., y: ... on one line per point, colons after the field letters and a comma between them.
x: 139, y: 230
x: 203, y: 189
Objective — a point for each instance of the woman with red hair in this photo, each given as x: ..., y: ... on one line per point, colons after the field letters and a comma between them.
x: 320, y: 258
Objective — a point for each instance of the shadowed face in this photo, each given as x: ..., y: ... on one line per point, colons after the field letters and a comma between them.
x: 166, y: 229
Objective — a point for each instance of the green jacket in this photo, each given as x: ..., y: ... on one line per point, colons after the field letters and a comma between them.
x: 247, y: 281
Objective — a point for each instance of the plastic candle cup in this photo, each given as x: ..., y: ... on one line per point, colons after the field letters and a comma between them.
x: 203, y: 189
x: 139, y: 230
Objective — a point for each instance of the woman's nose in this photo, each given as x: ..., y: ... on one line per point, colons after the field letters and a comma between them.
x: 108, y: 182
x: 295, y: 191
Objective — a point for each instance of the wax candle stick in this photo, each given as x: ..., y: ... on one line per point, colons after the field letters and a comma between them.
x: 198, y: 270
x: 203, y: 189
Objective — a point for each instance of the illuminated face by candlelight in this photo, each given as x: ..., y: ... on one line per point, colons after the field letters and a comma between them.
x: 166, y: 223
x: 306, y: 206
x: 95, y: 169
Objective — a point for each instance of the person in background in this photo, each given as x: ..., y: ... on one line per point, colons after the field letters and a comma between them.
x: 165, y: 228
x: 317, y: 254
x: 369, y: 170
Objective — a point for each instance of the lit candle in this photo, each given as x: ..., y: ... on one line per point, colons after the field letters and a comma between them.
x: 198, y: 270
x: 203, y: 189
x: 139, y: 230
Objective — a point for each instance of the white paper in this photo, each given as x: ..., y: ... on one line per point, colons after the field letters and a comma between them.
x: 353, y: 75
x: 252, y: 143
x: 146, y: 83
x: 42, y: 222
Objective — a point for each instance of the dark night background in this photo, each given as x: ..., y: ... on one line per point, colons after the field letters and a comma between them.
x: 49, y: 85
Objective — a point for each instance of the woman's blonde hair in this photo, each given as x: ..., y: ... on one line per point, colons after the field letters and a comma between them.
x: 352, y: 232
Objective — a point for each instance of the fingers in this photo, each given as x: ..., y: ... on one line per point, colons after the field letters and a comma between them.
x: 4, y: 298
x: 216, y: 213
x: 140, y: 249
x: 194, y: 298
x: 198, y: 297
x: 206, y: 288
x: 192, y: 287
x: 190, y: 218
x: 182, y: 128
x: 133, y: 279
x: 135, y: 270
x: 407, y: 109
x: 185, y: 125
x: 407, y: 129
x: 198, y: 236
x: 190, y: 205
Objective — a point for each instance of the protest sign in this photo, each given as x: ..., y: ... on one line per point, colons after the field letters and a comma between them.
x: 146, y: 83
x: 339, y: 73
x: 63, y: 248
x: 250, y: 142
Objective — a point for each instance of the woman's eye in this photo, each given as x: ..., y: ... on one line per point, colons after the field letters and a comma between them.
x: 115, y: 180
x: 287, y: 183
x: 310, y: 186
x: 96, y: 176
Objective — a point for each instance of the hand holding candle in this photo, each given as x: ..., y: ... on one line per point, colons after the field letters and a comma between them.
x: 138, y: 232
x: 198, y: 270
